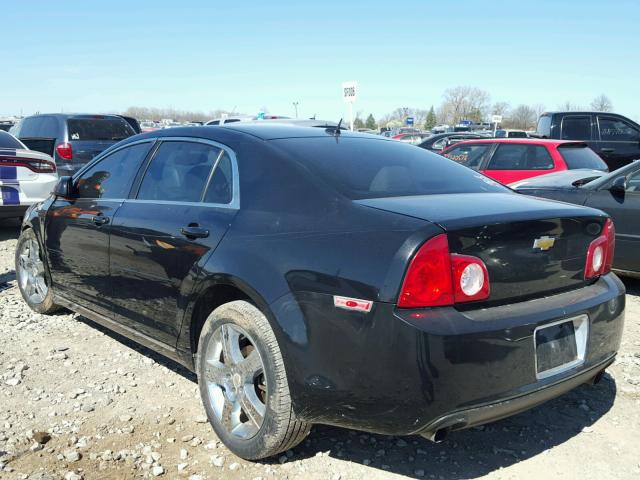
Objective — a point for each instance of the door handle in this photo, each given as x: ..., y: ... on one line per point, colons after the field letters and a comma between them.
x: 608, y: 150
x: 194, y: 232
x: 100, y: 219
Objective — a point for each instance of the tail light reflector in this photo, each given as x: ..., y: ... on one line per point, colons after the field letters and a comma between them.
x: 436, y: 277
x: 600, y: 252
x: 65, y: 151
x: 33, y: 164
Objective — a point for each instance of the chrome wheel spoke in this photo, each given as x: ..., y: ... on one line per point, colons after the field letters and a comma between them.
x: 252, y: 406
x: 231, y: 345
x: 215, y: 374
x: 228, y: 415
x: 250, y: 367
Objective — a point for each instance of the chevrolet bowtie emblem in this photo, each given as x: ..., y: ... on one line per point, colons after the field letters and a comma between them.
x: 544, y: 243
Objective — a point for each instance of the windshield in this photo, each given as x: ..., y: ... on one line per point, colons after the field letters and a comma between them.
x: 98, y: 128
x: 361, y: 168
x: 581, y: 156
x: 9, y: 141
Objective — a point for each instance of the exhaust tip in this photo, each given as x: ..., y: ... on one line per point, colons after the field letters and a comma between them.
x: 597, y: 378
x: 437, y: 436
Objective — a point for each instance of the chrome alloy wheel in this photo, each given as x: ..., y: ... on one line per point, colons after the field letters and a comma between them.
x: 31, y: 272
x: 235, y: 379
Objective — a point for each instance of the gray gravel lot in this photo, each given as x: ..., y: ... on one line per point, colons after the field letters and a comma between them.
x: 80, y: 402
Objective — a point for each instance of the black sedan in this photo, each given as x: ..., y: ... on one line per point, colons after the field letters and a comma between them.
x: 310, y: 275
x: 440, y: 141
x: 616, y: 193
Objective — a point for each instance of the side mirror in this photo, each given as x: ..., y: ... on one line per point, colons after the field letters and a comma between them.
x: 619, y: 185
x: 64, y: 187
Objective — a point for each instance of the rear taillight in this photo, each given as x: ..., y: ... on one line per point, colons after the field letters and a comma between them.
x: 600, y: 252
x: 436, y: 277
x: 33, y: 164
x: 65, y: 151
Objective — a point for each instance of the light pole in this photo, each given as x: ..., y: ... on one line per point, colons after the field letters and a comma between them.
x: 295, y: 105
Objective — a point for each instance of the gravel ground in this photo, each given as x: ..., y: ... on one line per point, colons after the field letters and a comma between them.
x: 80, y: 402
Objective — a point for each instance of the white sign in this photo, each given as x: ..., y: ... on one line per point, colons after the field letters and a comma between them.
x: 496, y: 119
x: 350, y: 91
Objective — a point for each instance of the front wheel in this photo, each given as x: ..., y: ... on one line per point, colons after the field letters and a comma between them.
x: 243, y: 383
x: 31, y: 275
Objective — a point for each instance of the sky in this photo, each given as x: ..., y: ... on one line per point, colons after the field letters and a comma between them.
x: 245, y: 55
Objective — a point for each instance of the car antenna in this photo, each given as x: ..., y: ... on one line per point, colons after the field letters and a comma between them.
x: 335, y: 130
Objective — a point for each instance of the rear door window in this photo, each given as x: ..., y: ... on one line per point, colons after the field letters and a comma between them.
x: 469, y: 155
x: 616, y: 130
x: 521, y: 157
x: 581, y: 156
x: 112, y: 177
x: 98, y: 128
x: 220, y: 188
x: 179, y: 172
x: 576, y: 127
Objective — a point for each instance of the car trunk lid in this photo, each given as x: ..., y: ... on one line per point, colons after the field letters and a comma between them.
x: 531, y: 247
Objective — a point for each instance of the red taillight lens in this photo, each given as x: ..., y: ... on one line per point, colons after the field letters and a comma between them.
x: 600, y: 252
x: 33, y: 164
x: 437, y: 278
x: 428, y: 279
x: 65, y: 151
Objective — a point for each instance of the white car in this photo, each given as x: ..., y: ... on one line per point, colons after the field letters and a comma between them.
x: 26, y: 176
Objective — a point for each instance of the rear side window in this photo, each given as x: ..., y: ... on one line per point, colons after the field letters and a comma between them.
x: 616, y: 130
x: 368, y: 168
x: 517, y: 134
x: 112, y: 177
x: 521, y: 157
x: 544, y: 126
x: 469, y: 155
x: 9, y: 141
x: 179, y: 172
x: 581, y: 156
x: 98, y: 128
x: 576, y: 127
x: 220, y: 188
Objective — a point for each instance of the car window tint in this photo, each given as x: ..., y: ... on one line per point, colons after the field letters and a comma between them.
x: 575, y: 127
x: 9, y: 141
x: 520, y: 157
x: 48, y: 128
x: 112, y: 177
x: 614, y: 129
x: 468, y: 155
x: 220, y: 189
x: 98, y: 128
x: 361, y: 168
x: 581, y: 156
x: 178, y: 172
x: 544, y: 126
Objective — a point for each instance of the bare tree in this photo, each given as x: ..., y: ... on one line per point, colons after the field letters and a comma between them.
x: 462, y: 103
x: 539, y: 108
x: 522, y: 117
x: 570, y: 107
x: 602, y: 103
x: 152, y: 113
x: 500, y: 108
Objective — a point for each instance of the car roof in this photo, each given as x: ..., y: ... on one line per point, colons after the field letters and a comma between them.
x: 529, y: 141
x: 76, y: 115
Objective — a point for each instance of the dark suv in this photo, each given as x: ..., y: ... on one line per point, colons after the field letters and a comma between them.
x: 614, y: 137
x: 72, y: 140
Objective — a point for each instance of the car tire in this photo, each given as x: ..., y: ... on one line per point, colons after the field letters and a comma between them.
x: 235, y: 392
x: 32, y: 276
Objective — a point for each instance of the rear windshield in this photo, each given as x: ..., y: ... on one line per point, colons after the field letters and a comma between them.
x: 581, y: 156
x: 98, y: 128
x: 369, y: 168
x: 543, y: 129
x: 9, y: 141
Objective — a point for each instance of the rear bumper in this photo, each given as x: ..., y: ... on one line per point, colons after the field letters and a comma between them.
x: 402, y: 372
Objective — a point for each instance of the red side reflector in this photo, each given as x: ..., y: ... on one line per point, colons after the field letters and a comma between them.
x: 355, y: 304
x: 65, y: 151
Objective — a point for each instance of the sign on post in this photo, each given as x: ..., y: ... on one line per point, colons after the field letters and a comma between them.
x: 496, y: 119
x: 349, y: 94
x: 409, y: 121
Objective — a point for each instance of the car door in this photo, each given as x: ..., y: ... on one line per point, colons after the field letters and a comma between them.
x: 77, y: 228
x: 184, y: 205
x: 512, y: 162
x: 619, y: 141
x: 624, y: 208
